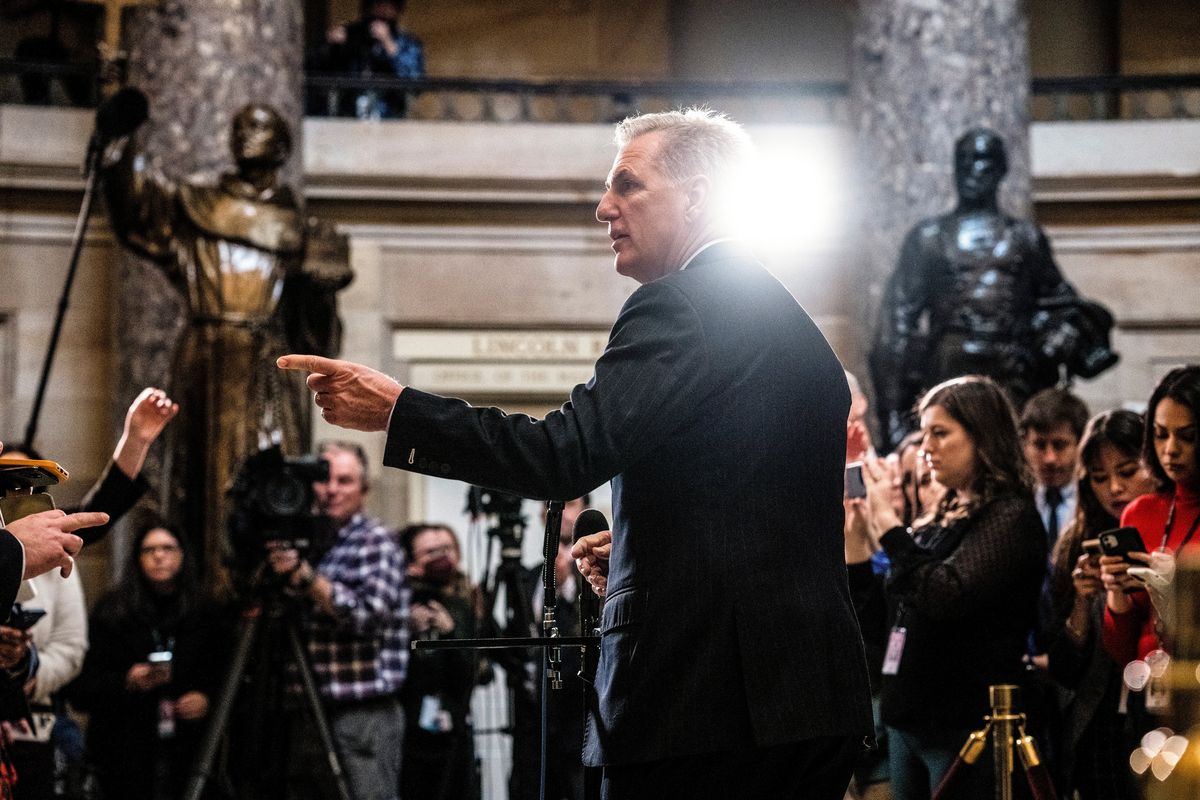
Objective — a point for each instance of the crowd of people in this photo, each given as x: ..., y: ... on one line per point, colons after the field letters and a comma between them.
x: 731, y: 644
x: 981, y: 555
x: 145, y: 669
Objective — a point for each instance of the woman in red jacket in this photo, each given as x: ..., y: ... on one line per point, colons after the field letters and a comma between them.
x: 1167, y: 521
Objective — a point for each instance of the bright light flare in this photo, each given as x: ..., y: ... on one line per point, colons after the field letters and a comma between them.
x: 1161, y: 750
x: 793, y: 200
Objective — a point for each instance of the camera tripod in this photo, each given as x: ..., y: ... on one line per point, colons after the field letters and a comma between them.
x: 1006, y: 729
x: 261, y: 623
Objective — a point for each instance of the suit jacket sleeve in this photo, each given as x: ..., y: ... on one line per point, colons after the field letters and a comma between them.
x: 12, y: 569
x: 653, y: 375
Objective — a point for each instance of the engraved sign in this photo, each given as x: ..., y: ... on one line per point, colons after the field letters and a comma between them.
x: 498, y: 362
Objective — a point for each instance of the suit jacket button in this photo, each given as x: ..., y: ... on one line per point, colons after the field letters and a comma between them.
x: 445, y: 469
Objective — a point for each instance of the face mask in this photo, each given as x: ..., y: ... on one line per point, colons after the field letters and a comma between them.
x: 441, y: 569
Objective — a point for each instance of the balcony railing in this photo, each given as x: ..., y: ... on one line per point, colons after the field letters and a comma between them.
x: 577, y: 101
x: 1116, y: 97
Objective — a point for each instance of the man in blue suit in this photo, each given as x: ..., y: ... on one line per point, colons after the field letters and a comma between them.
x: 730, y: 660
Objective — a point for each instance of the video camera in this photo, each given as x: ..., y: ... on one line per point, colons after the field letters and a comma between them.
x: 272, y: 500
x: 510, y: 522
x: 23, y: 484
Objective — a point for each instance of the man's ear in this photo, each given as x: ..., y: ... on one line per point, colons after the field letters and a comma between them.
x: 697, y: 191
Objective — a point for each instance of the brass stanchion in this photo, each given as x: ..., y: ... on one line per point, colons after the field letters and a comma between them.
x: 1007, y: 732
x: 1004, y: 727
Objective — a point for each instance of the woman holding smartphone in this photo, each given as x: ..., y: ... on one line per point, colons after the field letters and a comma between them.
x: 1096, y: 736
x: 963, y: 588
x: 1167, y: 520
x: 154, y: 663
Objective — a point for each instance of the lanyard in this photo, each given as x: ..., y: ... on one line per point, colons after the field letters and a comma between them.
x: 1171, y: 524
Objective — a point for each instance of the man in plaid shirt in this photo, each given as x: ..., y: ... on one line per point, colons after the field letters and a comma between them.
x: 358, y: 627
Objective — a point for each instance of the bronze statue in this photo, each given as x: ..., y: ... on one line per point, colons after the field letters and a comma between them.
x: 258, y: 279
x: 976, y: 291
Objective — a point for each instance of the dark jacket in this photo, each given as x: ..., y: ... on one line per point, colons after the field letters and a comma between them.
x: 718, y: 411
x: 122, y: 735
x: 966, y: 595
x: 12, y: 568
x: 114, y: 493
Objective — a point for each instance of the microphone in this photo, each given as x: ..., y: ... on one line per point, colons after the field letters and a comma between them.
x: 590, y: 521
x: 121, y: 114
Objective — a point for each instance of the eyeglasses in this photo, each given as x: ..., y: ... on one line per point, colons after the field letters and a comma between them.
x: 151, y: 549
x: 434, y: 552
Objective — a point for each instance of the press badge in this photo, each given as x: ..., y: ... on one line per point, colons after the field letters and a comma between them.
x: 1158, y: 689
x: 1158, y: 695
x: 895, y: 649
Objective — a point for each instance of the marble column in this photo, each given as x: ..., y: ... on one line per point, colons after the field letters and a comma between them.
x: 198, y: 61
x: 923, y: 72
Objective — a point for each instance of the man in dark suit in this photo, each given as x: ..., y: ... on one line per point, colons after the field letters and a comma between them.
x: 730, y: 659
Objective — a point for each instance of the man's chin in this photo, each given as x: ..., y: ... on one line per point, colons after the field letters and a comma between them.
x: 630, y: 269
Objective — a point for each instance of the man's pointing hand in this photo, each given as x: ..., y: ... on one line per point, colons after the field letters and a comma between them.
x: 348, y: 394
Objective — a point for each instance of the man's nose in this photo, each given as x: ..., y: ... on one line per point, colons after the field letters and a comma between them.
x: 605, y: 210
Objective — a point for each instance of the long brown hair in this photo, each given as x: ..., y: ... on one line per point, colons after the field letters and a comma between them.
x: 1123, y: 431
x: 985, y: 413
x: 1183, y: 386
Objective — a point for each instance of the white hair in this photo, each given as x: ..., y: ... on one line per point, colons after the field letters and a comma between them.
x: 696, y: 141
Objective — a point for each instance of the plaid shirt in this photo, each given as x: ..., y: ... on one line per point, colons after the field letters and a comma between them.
x: 362, y: 651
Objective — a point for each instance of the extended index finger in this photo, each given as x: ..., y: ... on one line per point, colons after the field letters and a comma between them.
x: 82, y: 519
x: 319, y: 364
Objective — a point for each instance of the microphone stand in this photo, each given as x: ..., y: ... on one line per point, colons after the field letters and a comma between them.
x: 589, y: 657
x: 551, y: 643
x: 90, y: 171
x: 552, y: 663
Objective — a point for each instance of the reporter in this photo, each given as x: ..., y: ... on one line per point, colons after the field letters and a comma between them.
x: 1167, y: 520
x: 439, y: 737
x: 147, y: 715
x: 114, y: 494
x: 121, y: 483
x: 1097, y: 733
x: 61, y: 635
x: 963, y: 587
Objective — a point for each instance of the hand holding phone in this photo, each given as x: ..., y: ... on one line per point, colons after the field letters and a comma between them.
x: 14, y: 647
x: 24, y: 618
x: 856, y: 487
x: 1121, y: 542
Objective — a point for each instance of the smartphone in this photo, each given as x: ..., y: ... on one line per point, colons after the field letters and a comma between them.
x: 23, y: 473
x: 1092, y: 547
x: 24, y: 618
x: 161, y: 660
x: 1121, y: 542
x: 855, y: 487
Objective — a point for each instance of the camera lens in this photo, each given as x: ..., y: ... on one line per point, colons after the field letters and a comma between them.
x: 284, y: 496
